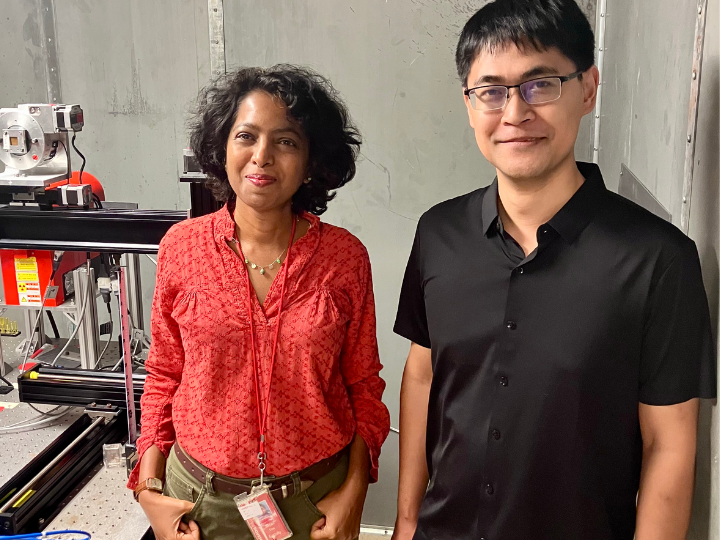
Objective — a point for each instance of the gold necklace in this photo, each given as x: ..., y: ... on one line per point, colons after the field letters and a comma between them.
x: 262, y: 268
x: 256, y: 266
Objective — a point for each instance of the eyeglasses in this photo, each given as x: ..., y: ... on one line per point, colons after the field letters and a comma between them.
x: 534, y: 92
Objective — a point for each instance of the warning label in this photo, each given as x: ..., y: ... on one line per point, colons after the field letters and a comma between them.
x: 26, y: 264
x: 28, y: 282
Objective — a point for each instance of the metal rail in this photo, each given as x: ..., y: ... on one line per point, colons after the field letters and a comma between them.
x: 21, y: 492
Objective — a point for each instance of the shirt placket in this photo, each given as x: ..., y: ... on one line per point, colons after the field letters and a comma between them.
x: 505, y: 368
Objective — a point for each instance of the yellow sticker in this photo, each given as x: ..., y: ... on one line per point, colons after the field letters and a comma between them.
x: 26, y: 276
x: 22, y: 500
x: 26, y: 264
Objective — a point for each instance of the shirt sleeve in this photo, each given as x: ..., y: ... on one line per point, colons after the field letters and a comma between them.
x: 678, y: 354
x: 411, y: 320
x: 164, y: 369
x: 360, y: 368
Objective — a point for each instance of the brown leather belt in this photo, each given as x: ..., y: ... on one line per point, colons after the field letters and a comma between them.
x: 280, y: 488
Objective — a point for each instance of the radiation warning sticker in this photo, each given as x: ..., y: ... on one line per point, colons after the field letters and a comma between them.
x: 28, y: 281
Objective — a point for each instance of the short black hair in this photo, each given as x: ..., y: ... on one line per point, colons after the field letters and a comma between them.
x: 311, y: 100
x: 541, y: 24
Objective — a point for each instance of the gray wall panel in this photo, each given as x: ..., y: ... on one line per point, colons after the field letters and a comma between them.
x: 644, y: 125
x: 648, y: 62
x: 393, y: 62
x: 135, y: 66
x: 22, y: 58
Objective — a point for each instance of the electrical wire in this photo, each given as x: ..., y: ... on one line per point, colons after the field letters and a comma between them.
x: 22, y: 426
x: 86, y: 301
x: 45, y: 534
x: 54, y: 326
x: 106, y: 345
x: 46, y: 413
x: 153, y: 260
x: 79, y: 153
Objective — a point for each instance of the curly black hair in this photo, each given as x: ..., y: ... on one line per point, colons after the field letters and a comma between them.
x: 311, y: 101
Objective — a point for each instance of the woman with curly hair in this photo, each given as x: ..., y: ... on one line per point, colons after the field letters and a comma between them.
x: 264, y: 364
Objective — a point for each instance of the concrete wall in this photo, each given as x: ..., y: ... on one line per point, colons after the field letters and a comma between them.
x: 393, y: 63
x: 644, y: 116
x: 705, y: 230
x: 135, y: 66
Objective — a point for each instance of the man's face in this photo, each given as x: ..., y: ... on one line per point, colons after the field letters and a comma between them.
x: 525, y: 141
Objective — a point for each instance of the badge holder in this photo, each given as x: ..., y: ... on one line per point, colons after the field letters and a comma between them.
x: 260, y: 512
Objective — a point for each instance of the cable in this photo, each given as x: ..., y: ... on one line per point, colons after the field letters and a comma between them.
x: 22, y: 426
x: 118, y: 364
x: 153, y: 260
x: 47, y: 413
x: 86, y: 301
x: 106, y: 344
x: 97, y: 201
x: 82, y: 167
x: 54, y: 326
x: 32, y: 421
x: 42, y: 535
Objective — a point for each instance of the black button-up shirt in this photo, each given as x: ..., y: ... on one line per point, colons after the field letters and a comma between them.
x: 540, y: 362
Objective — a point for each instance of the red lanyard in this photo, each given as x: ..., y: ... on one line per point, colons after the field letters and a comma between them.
x: 263, y: 412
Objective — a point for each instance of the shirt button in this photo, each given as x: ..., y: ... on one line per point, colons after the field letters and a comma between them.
x: 511, y: 325
x: 489, y: 489
x: 496, y: 434
x: 520, y: 270
x: 504, y: 381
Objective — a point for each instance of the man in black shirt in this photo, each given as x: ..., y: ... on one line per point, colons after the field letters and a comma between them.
x: 560, y: 333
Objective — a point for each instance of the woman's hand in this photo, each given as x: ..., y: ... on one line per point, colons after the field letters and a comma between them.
x: 165, y: 516
x: 343, y: 510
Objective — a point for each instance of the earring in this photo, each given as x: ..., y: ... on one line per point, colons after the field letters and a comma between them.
x: 307, y: 180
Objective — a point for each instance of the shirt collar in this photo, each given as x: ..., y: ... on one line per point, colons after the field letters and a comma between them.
x: 572, y: 218
x: 489, y: 207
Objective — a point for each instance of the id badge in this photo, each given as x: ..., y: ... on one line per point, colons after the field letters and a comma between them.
x: 263, y: 517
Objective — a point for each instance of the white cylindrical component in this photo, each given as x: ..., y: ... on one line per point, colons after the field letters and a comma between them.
x: 89, y: 333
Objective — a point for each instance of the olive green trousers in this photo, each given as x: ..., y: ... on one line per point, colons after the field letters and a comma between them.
x: 217, y: 514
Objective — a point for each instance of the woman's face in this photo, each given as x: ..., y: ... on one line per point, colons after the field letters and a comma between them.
x: 267, y: 153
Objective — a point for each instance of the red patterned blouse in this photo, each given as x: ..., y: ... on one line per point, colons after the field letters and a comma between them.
x: 326, y: 385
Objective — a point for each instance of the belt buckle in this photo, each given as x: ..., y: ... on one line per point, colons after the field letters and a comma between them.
x: 256, y: 481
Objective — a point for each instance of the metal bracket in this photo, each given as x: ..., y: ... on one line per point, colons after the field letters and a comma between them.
x: 693, y: 115
x: 217, y: 37
x: 52, y: 66
x: 601, y: 22
x: 108, y: 412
